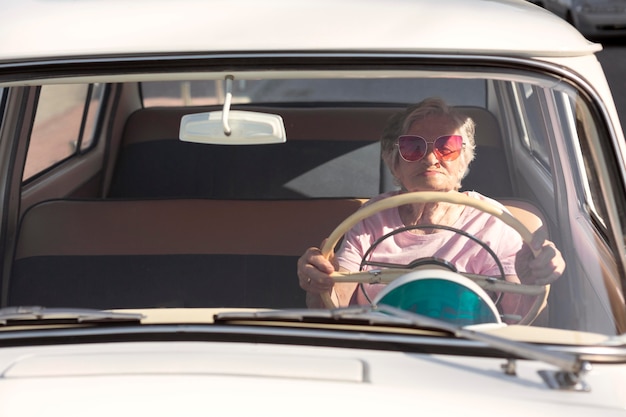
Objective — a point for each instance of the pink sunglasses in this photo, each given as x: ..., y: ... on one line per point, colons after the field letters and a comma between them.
x: 446, y: 148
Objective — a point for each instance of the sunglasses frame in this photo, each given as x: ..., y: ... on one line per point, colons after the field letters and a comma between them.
x: 436, y: 151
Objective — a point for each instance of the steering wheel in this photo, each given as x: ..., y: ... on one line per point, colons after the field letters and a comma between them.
x: 388, y: 275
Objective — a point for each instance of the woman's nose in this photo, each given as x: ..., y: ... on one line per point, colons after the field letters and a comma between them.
x: 430, y: 156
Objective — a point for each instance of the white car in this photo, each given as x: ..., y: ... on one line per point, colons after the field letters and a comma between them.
x: 164, y: 164
x: 596, y: 19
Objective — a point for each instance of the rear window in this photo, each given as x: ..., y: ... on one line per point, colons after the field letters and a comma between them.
x: 397, y: 90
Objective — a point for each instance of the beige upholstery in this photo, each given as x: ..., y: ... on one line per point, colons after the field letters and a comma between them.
x: 68, y: 227
x: 154, y: 227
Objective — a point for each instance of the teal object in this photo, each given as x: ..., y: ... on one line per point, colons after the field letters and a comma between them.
x: 443, y: 299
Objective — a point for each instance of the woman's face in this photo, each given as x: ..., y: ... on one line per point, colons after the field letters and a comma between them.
x: 430, y: 174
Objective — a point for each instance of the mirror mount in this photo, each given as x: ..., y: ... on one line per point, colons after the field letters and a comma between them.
x: 227, y: 101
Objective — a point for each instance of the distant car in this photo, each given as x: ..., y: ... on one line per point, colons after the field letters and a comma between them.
x: 593, y: 18
x: 164, y: 164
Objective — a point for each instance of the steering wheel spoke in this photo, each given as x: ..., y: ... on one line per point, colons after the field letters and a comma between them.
x: 497, y: 285
x: 385, y: 276
x: 373, y: 276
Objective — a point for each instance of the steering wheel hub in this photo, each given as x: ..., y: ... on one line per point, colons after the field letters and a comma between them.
x: 440, y: 294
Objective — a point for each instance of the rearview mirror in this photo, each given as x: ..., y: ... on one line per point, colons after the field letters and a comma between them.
x: 243, y: 127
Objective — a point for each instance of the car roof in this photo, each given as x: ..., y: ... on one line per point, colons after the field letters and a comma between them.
x: 43, y: 29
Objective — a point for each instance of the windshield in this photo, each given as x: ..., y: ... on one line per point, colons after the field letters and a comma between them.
x: 142, y: 219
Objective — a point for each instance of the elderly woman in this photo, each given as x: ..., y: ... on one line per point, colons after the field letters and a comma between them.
x: 429, y: 148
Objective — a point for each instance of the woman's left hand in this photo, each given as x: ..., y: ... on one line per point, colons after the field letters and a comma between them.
x: 544, y: 268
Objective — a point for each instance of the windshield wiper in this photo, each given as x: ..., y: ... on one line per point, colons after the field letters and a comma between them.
x: 571, y: 367
x: 32, y: 315
x: 356, y: 315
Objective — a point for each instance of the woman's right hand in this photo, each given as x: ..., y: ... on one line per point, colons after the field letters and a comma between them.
x: 314, y: 277
x: 314, y: 272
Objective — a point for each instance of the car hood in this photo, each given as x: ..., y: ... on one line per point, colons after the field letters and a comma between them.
x: 167, y: 375
x: 193, y: 378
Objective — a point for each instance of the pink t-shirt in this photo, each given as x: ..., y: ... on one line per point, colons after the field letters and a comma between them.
x: 463, y: 253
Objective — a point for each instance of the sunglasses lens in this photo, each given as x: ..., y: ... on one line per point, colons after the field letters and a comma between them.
x: 412, y: 148
x: 448, y: 148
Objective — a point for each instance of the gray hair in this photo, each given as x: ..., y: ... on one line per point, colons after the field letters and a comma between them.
x: 400, y: 123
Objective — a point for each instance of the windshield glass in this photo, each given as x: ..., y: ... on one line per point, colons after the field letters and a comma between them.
x: 188, y: 224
